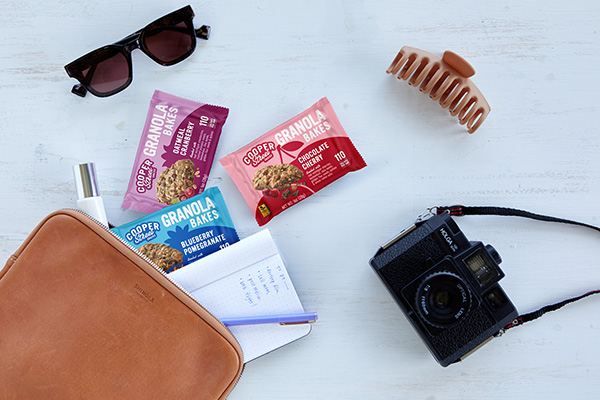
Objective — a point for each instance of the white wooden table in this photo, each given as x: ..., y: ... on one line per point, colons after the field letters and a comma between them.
x: 537, y: 64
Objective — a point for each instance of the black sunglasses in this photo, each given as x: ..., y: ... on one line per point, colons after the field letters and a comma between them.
x: 107, y: 70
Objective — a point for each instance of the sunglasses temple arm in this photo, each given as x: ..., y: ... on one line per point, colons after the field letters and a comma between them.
x: 203, y: 32
x: 79, y: 90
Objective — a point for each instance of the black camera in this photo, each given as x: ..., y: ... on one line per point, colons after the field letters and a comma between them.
x: 446, y: 285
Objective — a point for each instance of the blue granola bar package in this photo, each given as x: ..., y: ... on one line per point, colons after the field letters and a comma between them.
x: 183, y: 232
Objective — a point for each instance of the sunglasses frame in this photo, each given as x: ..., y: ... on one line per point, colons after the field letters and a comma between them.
x: 126, y: 45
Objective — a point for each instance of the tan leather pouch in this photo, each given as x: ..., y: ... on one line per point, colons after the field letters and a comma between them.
x: 84, y: 316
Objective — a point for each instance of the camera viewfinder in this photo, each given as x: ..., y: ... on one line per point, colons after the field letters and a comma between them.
x: 482, y: 267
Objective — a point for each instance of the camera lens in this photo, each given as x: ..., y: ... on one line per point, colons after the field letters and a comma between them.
x: 443, y: 299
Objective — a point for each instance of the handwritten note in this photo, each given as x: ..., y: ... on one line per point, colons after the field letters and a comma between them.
x: 267, y: 282
x: 246, y: 279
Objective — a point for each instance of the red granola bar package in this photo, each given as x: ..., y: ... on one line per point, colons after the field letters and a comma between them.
x: 293, y: 161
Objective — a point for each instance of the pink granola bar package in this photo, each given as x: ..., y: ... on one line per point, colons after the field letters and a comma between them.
x: 175, y: 153
x: 293, y: 161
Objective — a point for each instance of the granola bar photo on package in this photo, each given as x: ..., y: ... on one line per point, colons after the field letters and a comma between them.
x: 175, y: 153
x: 293, y: 161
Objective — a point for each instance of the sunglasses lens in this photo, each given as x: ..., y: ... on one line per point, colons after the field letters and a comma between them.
x: 170, y: 43
x: 107, y: 72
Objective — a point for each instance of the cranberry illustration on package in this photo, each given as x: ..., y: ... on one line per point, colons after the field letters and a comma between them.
x: 293, y: 161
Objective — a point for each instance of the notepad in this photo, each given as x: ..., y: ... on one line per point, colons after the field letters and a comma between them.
x: 246, y: 279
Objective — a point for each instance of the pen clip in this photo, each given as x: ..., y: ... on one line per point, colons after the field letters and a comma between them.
x: 298, y: 323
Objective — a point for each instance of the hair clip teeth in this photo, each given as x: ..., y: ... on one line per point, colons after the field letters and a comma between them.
x: 452, y: 94
x: 420, y: 73
x: 446, y: 80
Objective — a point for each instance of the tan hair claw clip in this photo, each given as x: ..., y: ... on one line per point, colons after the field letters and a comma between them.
x: 446, y: 79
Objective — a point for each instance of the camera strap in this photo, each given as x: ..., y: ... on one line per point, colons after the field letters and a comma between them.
x: 459, y: 211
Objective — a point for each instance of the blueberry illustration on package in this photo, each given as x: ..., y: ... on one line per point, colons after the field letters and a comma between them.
x: 183, y: 232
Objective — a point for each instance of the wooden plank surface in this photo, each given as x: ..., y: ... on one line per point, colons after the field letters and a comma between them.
x: 537, y: 65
